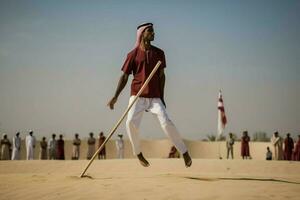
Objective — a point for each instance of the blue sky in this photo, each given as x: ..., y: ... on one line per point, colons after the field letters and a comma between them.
x: 60, y: 62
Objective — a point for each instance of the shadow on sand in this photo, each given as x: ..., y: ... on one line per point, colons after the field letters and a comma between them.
x: 242, y: 179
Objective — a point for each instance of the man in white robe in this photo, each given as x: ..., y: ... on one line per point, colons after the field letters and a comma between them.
x: 277, y: 142
x: 30, y: 145
x: 229, y: 145
x: 91, y: 146
x: 120, y: 147
x: 16, y: 147
x: 52, y: 147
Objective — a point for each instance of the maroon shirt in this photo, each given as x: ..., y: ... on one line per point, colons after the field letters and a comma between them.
x: 141, y: 63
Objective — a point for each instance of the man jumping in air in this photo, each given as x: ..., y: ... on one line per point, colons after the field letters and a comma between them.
x: 140, y: 62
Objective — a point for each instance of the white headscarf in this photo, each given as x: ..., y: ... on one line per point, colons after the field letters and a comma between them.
x: 139, y: 33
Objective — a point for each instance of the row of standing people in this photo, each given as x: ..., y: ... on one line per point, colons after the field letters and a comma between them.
x: 245, y: 149
x: 54, y: 149
x: 12, y: 150
x: 285, y: 149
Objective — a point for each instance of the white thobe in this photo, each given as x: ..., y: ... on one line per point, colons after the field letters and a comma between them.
x: 16, y: 148
x: 52, y: 148
x: 277, y: 144
x: 30, y: 145
x: 120, y: 148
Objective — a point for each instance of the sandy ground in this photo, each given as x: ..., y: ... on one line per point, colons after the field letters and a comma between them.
x: 207, y: 179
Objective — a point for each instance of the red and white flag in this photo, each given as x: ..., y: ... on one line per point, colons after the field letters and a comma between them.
x: 222, y: 121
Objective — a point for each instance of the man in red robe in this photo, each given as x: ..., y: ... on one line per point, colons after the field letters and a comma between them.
x: 102, y: 153
x: 296, y: 152
x: 245, y: 152
x: 60, y: 148
x: 288, y: 147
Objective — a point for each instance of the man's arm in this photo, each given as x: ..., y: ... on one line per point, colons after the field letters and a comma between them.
x: 162, y: 79
x: 121, y: 84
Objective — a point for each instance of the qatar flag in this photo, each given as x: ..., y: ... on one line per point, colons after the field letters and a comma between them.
x: 222, y: 121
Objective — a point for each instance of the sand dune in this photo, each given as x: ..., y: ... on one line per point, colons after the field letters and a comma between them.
x: 165, y: 179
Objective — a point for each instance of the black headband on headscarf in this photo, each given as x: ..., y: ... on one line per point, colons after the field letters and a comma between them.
x: 140, y: 29
x: 145, y: 24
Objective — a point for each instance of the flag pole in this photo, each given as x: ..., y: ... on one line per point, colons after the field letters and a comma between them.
x: 221, y: 121
x: 123, y: 116
x: 219, y: 148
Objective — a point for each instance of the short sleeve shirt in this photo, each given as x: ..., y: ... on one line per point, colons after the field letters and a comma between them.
x: 140, y: 64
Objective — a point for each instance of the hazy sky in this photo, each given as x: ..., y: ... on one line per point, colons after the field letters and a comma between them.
x: 60, y: 63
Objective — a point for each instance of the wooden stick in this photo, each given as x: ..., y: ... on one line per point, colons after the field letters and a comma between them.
x: 123, y: 116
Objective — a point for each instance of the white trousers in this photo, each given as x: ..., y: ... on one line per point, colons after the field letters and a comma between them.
x: 155, y: 106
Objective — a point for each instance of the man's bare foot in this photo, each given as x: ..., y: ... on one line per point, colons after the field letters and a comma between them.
x: 187, y: 159
x: 142, y: 160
